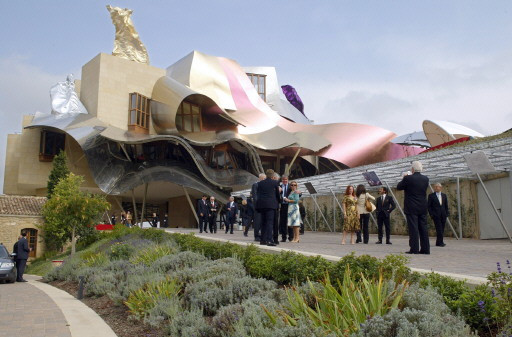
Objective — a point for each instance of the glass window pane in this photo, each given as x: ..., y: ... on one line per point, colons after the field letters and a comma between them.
x: 133, y: 101
x: 188, y: 123
x: 133, y: 119
x: 195, y: 110
x: 180, y: 111
x: 186, y: 108
x: 195, y: 123
x: 179, y: 122
x: 139, y: 99
x: 138, y: 117
x: 147, y: 121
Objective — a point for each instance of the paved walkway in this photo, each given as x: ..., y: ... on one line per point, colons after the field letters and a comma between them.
x: 36, y: 309
x: 469, y: 259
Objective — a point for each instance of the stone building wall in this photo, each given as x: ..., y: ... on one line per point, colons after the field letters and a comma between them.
x: 11, y: 226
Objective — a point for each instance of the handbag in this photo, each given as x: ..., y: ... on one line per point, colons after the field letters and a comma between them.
x: 368, y: 204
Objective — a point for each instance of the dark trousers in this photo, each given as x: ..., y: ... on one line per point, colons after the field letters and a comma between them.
x: 275, y: 227
x: 20, y: 269
x: 440, y: 222
x: 363, y: 222
x: 257, y: 225
x: 383, y: 220
x: 418, y: 233
x: 284, y: 230
x: 203, y: 222
x: 213, y: 223
x: 267, y: 224
x: 230, y: 221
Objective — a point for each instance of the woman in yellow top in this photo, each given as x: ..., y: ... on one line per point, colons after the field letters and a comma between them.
x: 351, y: 216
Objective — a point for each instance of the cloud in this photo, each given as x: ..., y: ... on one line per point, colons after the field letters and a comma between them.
x: 24, y: 89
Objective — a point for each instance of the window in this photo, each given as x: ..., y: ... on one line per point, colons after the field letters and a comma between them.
x: 51, y: 143
x: 188, y: 117
x: 259, y: 84
x: 140, y: 110
x: 221, y: 158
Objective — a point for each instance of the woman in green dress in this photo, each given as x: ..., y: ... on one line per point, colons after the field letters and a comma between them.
x: 351, y: 217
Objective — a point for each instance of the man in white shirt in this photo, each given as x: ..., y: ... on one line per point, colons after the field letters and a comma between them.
x: 439, y: 211
x: 232, y: 211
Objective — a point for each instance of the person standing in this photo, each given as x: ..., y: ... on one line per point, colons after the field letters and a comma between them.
x: 257, y: 214
x: 284, y: 229
x: 293, y: 216
x: 385, y: 205
x: 231, y: 214
x: 22, y: 251
x: 129, y: 219
x: 113, y: 219
x: 275, y: 228
x: 123, y: 218
x: 302, y: 211
x: 415, y: 208
x: 351, y: 217
x: 364, y: 214
x: 165, y: 222
x: 213, y: 207
x: 266, y: 204
x: 154, y: 221
x: 246, y: 213
x: 438, y: 210
x: 202, y: 214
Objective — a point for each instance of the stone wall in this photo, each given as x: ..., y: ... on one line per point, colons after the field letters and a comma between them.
x: 11, y: 226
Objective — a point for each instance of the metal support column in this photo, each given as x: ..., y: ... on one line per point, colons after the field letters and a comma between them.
x: 447, y: 219
x: 135, y: 216
x: 144, y: 205
x: 322, y: 214
x: 458, y: 208
x: 307, y: 222
x: 313, y: 197
x: 191, y: 205
x: 334, y: 214
x: 341, y: 208
x: 494, y: 207
x: 397, y: 203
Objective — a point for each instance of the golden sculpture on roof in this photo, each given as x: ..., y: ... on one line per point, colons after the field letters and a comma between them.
x: 127, y: 43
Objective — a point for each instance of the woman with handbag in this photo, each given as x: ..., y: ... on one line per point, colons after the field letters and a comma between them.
x: 364, y: 208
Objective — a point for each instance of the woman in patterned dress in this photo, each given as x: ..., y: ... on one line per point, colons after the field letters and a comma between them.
x: 293, y: 211
x: 351, y: 217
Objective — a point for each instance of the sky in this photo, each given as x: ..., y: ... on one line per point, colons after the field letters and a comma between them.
x: 391, y: 64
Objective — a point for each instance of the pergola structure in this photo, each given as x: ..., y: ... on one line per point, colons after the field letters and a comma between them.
x: 444, y: 165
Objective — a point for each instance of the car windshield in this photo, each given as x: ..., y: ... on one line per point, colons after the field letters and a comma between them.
x: 3, y: 252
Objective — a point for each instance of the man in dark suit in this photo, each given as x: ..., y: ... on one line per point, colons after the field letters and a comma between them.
x: 275, y: 228
x: 385, y: 205
x: 257, y: 214
x: 202, y: 214
x: 231, y: 214
x: 267, y: 203
x: 415, y: 208
x: 213, y: 207
x: 284, y: 230
x: 438, y: 210
x: 22, y: 251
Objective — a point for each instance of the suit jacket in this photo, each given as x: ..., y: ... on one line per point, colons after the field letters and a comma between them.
x: 415, y: 188
x: 212, y: 209
x: 250, y: 207
x: 268, y: 194
x: 288, y: 192
x: 435, y: 209
x: 22, y: 249
x: 254, y: 192
x: 231, y: 210
x: 202, y: 207
x: 385, y: 208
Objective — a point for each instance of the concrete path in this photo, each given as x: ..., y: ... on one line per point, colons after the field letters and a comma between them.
x: 466, y: 259
x: 36, y: 309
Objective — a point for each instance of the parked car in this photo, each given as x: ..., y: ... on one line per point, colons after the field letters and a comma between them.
x: 7, y: 268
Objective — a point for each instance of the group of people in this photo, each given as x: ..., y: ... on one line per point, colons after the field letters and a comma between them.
x: 154, y: 220
x: 357, y: 206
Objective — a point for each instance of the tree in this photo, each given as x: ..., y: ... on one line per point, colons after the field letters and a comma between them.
x: 71, y: 213
x: 60, y: 170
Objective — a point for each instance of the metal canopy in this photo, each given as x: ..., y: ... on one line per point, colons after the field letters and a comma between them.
x: 440, y: 166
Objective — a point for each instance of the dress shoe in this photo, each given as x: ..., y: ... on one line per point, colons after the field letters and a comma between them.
x: 230, y: 232
x: 378, y: 242
x: 200, y: 232
x: 245, y: 234
x: 409, y: 252
x: 276, y: 243
x: 226, y: 232
x: 441, y: 245
x: 283, y: 240
x: 424, y: 253
x: 22, y: 281
x: 262, y: 243
x: 358, y: 241
x: 271, y: 244
x: 388, y: 243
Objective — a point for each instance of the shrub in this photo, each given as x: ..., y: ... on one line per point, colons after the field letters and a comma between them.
x: 341, y: 311
x: 477, y: 307
x: 229, y: 267
x: 425, y: 314
x: 142, y: 300
x: 177, y: 261
x: 121, y: 251
x: 92, y: 259
x: 150, y: 254
x: 164, y: 310
x: 501, y: 291
x: 450, y: 289
x: 190, y: 323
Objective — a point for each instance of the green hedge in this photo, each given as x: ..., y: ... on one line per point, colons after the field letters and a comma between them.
x: 295, y: 268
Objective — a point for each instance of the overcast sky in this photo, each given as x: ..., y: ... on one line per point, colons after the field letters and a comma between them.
x: 387, y: 63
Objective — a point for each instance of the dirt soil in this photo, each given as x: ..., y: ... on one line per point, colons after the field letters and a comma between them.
x: 115, y: 316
